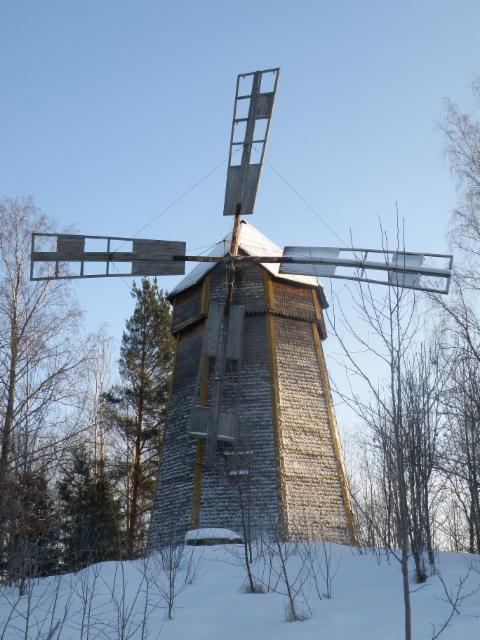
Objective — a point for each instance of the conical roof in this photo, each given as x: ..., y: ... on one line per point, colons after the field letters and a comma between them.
x: 253, y: 243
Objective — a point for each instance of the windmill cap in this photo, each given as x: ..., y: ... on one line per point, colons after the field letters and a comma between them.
x: 253, y: 243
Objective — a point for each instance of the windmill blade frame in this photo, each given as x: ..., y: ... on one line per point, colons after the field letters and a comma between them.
x: 59, y: 251
x: 243, y: 176
x: 404, y: 269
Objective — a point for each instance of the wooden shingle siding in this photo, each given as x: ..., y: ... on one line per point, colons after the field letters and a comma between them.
x: 173, y: 506
x: 309, y: 457
x: 250, y: 291
x: 187, y: 309
x: 285, y: 419
x: 218, y: 498
x: 294, y: 302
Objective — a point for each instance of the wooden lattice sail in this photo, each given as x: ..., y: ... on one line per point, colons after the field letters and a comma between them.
x: 287, y: 452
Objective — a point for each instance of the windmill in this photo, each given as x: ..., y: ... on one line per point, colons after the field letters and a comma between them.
x: 251, y: 395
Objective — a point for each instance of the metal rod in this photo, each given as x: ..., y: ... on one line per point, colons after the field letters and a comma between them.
x: 357, y: 264
x: 108, y: 261
x: 384, y: 251
x: 82, y: 235
x: 399, y: 285
x: 54, y: 256
x: 88, y: 256
x: 31, y: 253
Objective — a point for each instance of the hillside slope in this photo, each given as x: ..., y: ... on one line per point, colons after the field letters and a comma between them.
x: 128, y: 600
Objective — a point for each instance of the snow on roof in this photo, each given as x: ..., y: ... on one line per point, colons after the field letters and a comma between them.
x: 252, y: 242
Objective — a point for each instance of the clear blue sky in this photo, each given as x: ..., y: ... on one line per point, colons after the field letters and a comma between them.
x: 110, y: 110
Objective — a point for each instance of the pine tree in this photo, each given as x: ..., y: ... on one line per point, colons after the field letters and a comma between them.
x: 137, y: 408
x: 90, y: 513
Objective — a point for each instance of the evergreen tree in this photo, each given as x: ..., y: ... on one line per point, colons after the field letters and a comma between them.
x: 32, y: 528
x: 137, y: 408
x: 90, y: 513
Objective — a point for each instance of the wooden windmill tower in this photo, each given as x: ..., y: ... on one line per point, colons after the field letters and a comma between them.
x: 251, y: 401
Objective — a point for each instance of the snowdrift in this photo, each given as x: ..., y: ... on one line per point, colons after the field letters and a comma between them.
x: 206, y: 592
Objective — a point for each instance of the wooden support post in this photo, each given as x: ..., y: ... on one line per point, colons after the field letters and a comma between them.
x: 276, y: 412
x: 332, y: 422
x: 200, y: 449
x: 233, y: 253
x: 221, y: 356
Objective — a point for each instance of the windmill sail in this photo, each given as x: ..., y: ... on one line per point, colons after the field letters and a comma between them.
x: 402, y: 278
x: 251, y: 123
x: 57, y: 256
x: 430, y: 272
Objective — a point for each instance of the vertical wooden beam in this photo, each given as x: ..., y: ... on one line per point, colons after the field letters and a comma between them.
x: 332, y: 421
x: 316, y: 304
x: 235, y: 235
x: 199, y: 450
x: 269, y: 294
x: 205, y: 299
x: 234, y: 245
x: 276, y: 414
x: 200, y: 444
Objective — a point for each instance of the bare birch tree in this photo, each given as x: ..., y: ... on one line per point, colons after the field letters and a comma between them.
x: 460, y: 448
x: 39, y: 349
x: 388, y: 327
x: 460, y: 452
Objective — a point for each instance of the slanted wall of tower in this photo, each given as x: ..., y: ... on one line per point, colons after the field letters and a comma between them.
x: 192, y: 495
x: 315, y: 496
x: 286, y: 419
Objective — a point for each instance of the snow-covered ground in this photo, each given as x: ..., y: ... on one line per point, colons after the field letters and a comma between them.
x: 129, y: 600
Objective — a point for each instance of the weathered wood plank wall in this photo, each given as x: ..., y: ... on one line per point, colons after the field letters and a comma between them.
x: 285, y: 415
